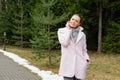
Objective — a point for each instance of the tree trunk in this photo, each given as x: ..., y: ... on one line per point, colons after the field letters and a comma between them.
x: 0, y: 5
x: 100, y: 27
x: 49, y: 48
x: 21, y: 23
x: 6, y: 6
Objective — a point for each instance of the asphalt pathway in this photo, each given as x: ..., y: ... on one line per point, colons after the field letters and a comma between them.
x: 9, y: 70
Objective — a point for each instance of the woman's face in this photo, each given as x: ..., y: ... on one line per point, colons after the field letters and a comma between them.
x: 74, y: 21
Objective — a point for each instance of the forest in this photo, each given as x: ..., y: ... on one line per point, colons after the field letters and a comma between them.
x: 34, y: 23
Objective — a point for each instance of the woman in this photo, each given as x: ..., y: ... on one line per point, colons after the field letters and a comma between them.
x: 74, y: 59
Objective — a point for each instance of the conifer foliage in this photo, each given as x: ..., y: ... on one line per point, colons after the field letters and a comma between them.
x: 36, y: 22
x: 44, y: 20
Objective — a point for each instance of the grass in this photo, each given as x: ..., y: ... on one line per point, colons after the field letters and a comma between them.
x: 102, y: 67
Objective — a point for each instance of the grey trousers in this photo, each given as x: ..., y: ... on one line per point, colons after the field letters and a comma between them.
x: 71, y: 78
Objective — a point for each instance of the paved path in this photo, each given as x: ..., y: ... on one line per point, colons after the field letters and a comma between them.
x: 10, y: 70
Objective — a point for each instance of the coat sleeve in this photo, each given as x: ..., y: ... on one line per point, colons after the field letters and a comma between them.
x: 64, y: 36
x: 85, y: 49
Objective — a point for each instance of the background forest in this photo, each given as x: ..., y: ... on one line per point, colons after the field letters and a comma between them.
x: 30, y: 26
x: 34, y: 23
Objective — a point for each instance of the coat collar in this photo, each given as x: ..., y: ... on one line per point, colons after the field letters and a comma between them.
x: 79, y: 34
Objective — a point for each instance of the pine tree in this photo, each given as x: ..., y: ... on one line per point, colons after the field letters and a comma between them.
x: 20, y: 23
x: 111, y: 42
x: 43, y: 37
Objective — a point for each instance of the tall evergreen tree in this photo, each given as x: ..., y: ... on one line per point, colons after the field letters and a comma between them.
x: 18, y: 24
x: 111, y: 38
x: 5, y: 15
x: 21, y: 22
x: 44, y: 20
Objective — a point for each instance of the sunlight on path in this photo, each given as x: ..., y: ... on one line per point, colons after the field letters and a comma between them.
x: 46, y: 75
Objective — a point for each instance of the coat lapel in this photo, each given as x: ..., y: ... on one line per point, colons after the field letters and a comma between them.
x: 79, y: 36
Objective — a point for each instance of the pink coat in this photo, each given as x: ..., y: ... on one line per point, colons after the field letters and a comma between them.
x: 74, y: 55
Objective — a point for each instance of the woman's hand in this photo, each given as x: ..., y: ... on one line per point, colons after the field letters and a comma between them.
x: 88, y: 61
x: 68, y: 24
